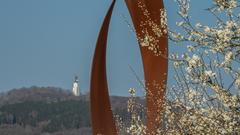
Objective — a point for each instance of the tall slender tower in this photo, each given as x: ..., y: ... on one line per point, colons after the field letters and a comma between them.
x: 75, y: 88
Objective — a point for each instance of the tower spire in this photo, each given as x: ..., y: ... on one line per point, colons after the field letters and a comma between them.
x: 76, y: 88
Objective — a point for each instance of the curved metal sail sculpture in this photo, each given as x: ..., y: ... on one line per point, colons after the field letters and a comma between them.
x: 145, y: 14
x: 101, y: 113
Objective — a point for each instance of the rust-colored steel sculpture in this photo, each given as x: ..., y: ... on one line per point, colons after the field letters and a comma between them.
x: 155, y: 66
x: 101, y: 113
x: 144, y: 13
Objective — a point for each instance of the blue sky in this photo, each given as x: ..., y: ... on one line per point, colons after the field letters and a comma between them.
x: 47, y: 42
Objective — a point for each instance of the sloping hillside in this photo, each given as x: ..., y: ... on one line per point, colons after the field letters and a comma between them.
x: 48, y: 94
x: 41, y: 110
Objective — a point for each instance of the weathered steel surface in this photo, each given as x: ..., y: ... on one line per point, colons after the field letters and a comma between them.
x: 155, y: 67
x: 101, y: 114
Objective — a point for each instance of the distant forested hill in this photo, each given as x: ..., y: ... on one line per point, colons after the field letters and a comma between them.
x: 49, y: 110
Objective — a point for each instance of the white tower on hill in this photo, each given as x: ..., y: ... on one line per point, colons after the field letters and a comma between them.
x: 75, y: 88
